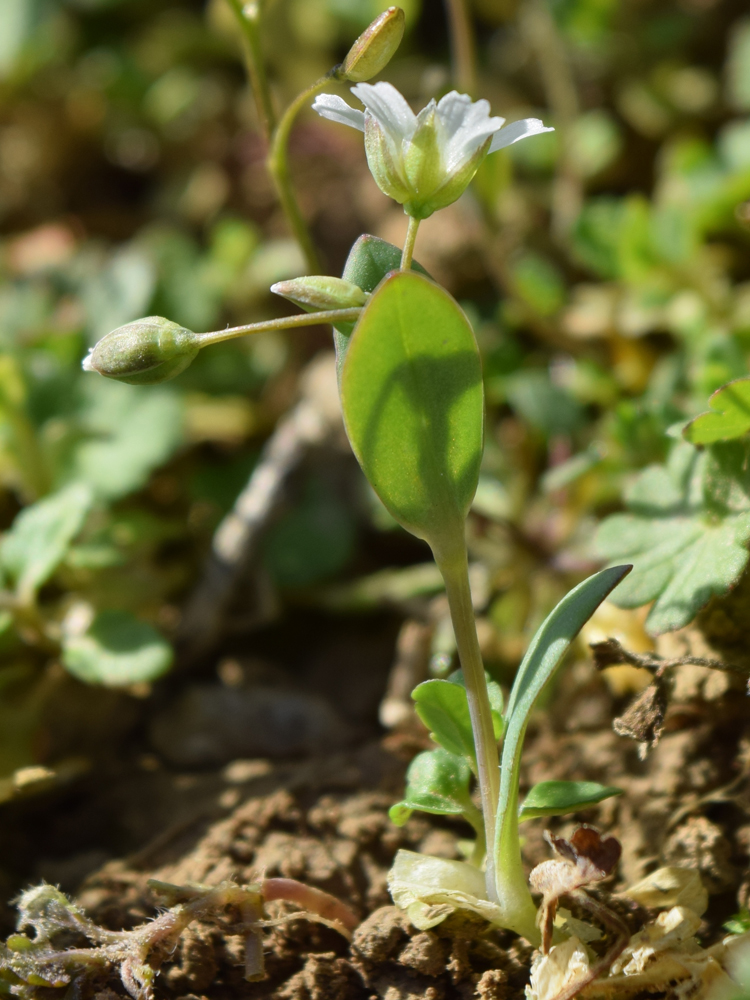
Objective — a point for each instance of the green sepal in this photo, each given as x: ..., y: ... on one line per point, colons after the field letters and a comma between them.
x: 556, y: 798
x: 437, y: 782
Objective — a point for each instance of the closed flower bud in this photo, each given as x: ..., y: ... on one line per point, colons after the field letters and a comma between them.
x: 375, y: 47
x: 320, y: 292
x: 144, y: 352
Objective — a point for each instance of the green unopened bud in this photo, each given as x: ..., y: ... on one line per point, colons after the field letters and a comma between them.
x: 320, y: 292
x: 144, y: 352
x: 375, y: 47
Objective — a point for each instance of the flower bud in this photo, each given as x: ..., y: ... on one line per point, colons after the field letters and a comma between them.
x: 375, y: 47
x: 144, y: 352
x: 320, y: 292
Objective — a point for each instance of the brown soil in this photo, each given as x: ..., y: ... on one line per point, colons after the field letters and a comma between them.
x: 324, y: 822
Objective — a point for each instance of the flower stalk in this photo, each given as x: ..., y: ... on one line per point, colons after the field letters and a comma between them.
x: 248, y: 19
x: 411, y: 238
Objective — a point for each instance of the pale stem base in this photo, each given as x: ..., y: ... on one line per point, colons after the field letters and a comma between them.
x: 455, y: 573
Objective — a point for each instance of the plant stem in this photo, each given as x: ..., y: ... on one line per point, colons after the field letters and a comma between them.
x: 455, y: 572
x: 278, y: 167
x: 538, y: 24
x: 411, y: 239
x: 248, y: 18
x: 283, y: 323
x: 463, y: 50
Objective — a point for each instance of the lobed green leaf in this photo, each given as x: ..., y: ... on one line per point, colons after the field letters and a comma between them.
x: 728, y: 415
x: 686, y: 533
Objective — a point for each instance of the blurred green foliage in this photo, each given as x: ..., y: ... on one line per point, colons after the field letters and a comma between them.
x: 605, y: 267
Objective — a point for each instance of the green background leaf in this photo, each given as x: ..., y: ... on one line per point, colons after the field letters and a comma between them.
x: 41, y: 534
x: 686, y: 533
x: 116, y: 650
x: 727, y: 418
x: 411, y: 392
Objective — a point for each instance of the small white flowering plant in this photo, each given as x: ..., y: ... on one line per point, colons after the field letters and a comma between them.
x: 410, y: 384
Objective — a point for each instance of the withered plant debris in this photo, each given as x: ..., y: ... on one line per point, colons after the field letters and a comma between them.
x: 68, y: 949
x: 644, y: 719
x: 610, y: 653
x: 582, y: 861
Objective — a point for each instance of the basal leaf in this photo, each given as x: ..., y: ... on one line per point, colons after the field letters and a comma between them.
x: 41, y: 535
x: 116, y: 650
x: 411, y: 393
x: 542, y: 658
x: 728, y: 415
x: 444, y: 709
x: 556, y: 798
x: 686, y: 533
x: 436, y: 782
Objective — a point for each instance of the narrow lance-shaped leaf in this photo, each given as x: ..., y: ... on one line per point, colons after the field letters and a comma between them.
x: 556, y: 798
x: 411, y: 393
x: 544, y: 654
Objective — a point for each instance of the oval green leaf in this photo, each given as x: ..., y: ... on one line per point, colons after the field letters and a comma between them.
x: 436, y: 782
x: 117, y: 650
x: 411, y: 393
x: 369, y: 260
x: 444, y: 709
x: 556, y: 798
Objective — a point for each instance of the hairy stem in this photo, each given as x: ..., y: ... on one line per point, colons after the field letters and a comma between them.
x: 248, y: 18
x: 278, y: 167
x: 455, y: 572
x: 283, y: 323
x: 411, y: 238
x: 463, y: 50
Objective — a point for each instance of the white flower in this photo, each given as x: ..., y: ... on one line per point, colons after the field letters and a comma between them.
x: 424, y: 161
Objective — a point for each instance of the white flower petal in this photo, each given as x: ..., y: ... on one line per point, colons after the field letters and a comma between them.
x: 388, y: 108
x: 518, y: 130
x: 337, y: 110
x: 466, y: 125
